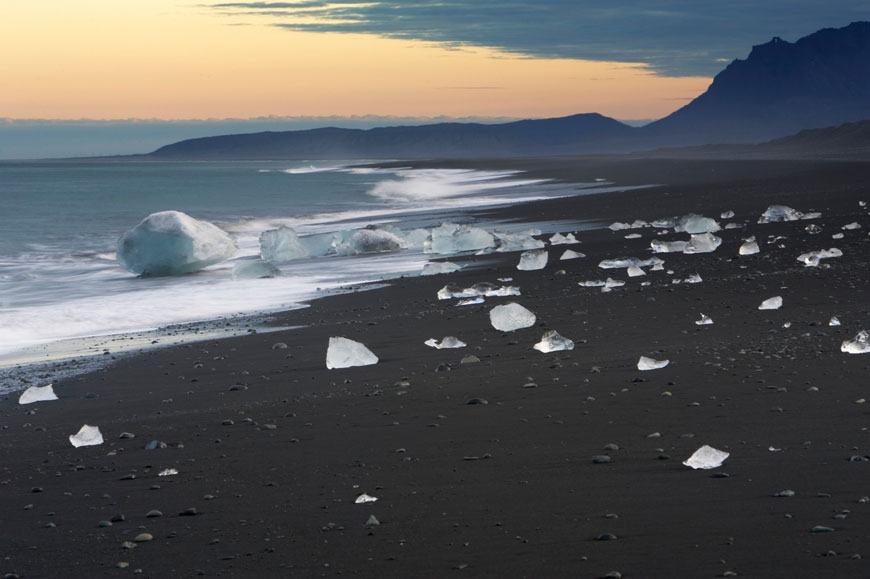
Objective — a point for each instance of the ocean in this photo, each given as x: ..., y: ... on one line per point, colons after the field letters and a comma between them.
x: 61, y: 288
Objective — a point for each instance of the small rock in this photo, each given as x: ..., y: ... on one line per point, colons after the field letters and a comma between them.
x: 155, y: 444
x: 785, y: 493
x: 469, y: 359
x: 372, y: 521
x: 601, y: 459
x: 153, y: 514
x: 821, y: 529
x: 606, y: 537
x: 104, y: 523
x: 474, y: 401
x: 127, y: 435
x: 191, y: 512
x: 143, y: 538
x: 279, y: 346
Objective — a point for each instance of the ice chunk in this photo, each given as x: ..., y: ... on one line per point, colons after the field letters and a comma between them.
x: 254, y: 269
x: 447, y: 342
x: 364, y: 498
x: 859, y: 345
x: 703, y: 243
x: 837, y: 236
x: 749, y: 247
x: 612, y: 283
x: 484, y: 289
x: 694, y: 278
x: 453, y: 238
x: 834, y: 321
x: 533, y: 259
x: 634, y: 271
x: 371, y: 241
x: 773, y: 303
x: 415, y: 238
x: 645, y: 363
x: 659, y: 246
x: 625, y: 262
x: 592, y: 283
x: 552, y: 342
x: 86, y: 436
x: 470, y: 301
x: 517, y: 242
x: 436, y: 268
x: 704, y: 321
x: 281, y: 245
x: 510, y: 317
x: 559, y: 239
x: 639, y: 224
x: 344, y: 353
x: 813, y: 229
x: 812, y: 258
x: 727, y: 215
x: 779, y: 213
x: 322, y: 244
x: 173, y: 243
x: 852, y: 226
x: 618, y: 226
x: 570, y: 254
x: 665, y: 223
x: 706, y: 458
x: 37, y: 394
x: 692, y: 223
x: 633, y: 236
x: 167, y: 472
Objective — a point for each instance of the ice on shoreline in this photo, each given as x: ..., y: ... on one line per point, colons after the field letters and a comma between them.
x: 533, y: 259
x: 86, y: 436
x: 510, y: 317
x: 345, y: 353
x: 706, y: 458
x: 37, y: 394
x: 552, y: 342
x: 445, y: 343
x: 773, y: 303
x: 645, y: 363
x: 859, y: 345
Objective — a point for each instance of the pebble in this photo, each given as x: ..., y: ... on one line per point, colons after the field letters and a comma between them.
x: 530, y: 385
x: 143, y: 538
x: 606, y: 537
x: 821, y: 529
x: 601, y: 459
x: 785, y: 493
x: 155, y: 444
x: 128, y: 545
x: 611, y: 447
x: 127, y: 435
x: 118, y: 518
x: 122, y: 564
x: 191, y: 512
x: 153, y: 514
x: 477, y: 401
x: 469, y: 359
x: 104, y: 523
x: 372, y: 521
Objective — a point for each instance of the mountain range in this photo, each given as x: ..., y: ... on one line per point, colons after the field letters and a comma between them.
x: 781, y: 88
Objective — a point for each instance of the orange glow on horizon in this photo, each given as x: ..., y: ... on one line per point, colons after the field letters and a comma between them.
x: 159, y: 59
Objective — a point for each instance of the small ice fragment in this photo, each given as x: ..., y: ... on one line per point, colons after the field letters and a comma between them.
x: 812, y: 215
x: 704, y: 321
x: 453, y: 238
x: 786, y: 325
x: 813, y: 258
x: 571, y: 254
x: 706, y: 457
x: 533, y: 259
x: 371, y: 240
x: 639, y: 224
x: 510, y: 317
x: 733, y: 225
x: 345, y: 353
x: 659, y: 246
x: 862, y: 203
x: 439, y: 267
x: 255, y: 269
x: 774, y: 449
x: 505, y: 279
x: 834, y: 321
x: 626, y: 262
x: 750, y: 247
x: 364, y: 498
x: 612, y: 283
x: 449, y: 291
x: 470, y: 301
x: 726, y: 215
x: 694, y: 278
x: 633, y: 236
x: 645, y: 363
x: 447, y: 342
x: 693, y: 223
x: 779, y: 213
x: 593, y: 283
x: 86, y: 436
x: 852, y: 226
x: 552, y: 342
x: 37, y: 394
x: 813, y: 229
x: 703, y: 243
x: 618, y: 226
x: 837, y: 236
x: 860, y: 345
x: 773, y: 303
x: 634, y: 271
x: 665, y: 223
x: 167, y: 472
x: 559, y: 239
x: 518, y: 241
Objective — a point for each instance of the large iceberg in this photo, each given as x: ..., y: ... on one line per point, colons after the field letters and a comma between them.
x: 280, y: 245
x: 453, y: 238
x: 345, y: 353
x: 533, y: 259
x: 510, y: 317
x: 173, y: 243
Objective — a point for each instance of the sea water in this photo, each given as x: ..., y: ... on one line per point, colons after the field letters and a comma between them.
x: 60, y: 222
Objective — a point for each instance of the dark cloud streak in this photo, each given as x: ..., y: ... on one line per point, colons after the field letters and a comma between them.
x: 675, y: 37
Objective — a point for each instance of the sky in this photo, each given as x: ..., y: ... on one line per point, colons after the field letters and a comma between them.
x: 170, y: 60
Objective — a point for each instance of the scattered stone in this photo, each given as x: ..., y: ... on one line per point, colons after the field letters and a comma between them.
x: 601, y: 459
x: 606, y: 537
x: 474, y: 401
x: 821, y: 529
x: 153, y: 514
x: 191, y: 512
x: 143, y: 538
x: 372, y: 521
x: 155, y: 444
x: 471, y: 359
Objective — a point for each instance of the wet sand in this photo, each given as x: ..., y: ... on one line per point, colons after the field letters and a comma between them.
x: 271, y: 448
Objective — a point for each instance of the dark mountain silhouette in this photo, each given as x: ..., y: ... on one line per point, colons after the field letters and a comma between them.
x: 821, y: 80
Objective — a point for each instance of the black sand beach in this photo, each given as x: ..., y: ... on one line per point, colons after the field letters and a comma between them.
x: 271, y: 448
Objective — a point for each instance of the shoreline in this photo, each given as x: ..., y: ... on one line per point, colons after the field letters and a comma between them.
x: 272, y: 448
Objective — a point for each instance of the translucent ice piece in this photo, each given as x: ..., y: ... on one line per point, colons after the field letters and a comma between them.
x: 704, y: 321
x: 813, y: 229
x: 778, y: 213
x: 364, y: 498
x: 645, y: 363
x: 86, y: 436
x: 618, y: 226
x: 625, y: 262
x: 517, y: 242
x: 173, y: 243
x: 571, y: 254
x: 453, y: 238
x: 706, y: 458
x: 37, y: 394
x: 634, y: 271
x: 834, y: 321
x: 533, y: 259
x: 837, y: 236
x: 659, y: 246
x: 773, y: 303
x: 696, y: 224
x: 859, y: 345
x: 254, y: 269
x: 281, y: 245
x: 750, y: 247
x: 694, y: 278
x: 611, y: 283
x: 371, y: 241
x: 447, y: 342
x: 510, y: 317
x: 813, y: 258
x: 167, y: 472
x: 852, y: 226
x: 344, y: 353
x: 591, y: 283
x: 559, y: 239
x: 639, y: 224
x: 437, y: 268
x: 726, y: 215
x: 553, y: 342
x: 470, y: 301
x: 665, y: 223
x: 703, y: 243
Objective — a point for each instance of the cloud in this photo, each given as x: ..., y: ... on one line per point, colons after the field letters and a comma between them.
x: 674, y: 37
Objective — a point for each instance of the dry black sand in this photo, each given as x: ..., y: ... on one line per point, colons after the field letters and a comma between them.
x: 272, y: 448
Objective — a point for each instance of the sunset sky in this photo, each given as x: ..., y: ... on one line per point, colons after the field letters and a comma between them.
x: 161, y: 59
